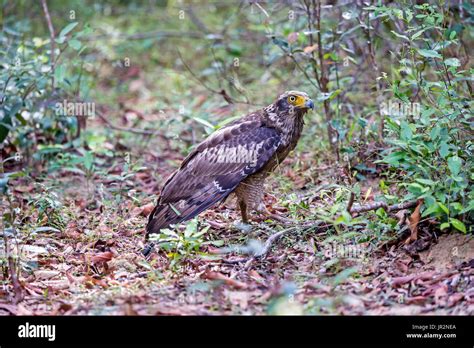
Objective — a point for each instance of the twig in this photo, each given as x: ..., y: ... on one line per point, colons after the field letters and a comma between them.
x: 276, y: 236
x: 222, y: 92
x: 293, y: 58
x: 262, y: 9
x: 375, y: 69
x: 131, y: 129
x: 52, y: 37
x: 311, y: 41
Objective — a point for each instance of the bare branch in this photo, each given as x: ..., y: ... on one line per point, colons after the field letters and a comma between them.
x: 131, y: 129
x: 52, y: 37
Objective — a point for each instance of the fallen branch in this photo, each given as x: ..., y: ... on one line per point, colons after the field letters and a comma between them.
x: 376, y: 205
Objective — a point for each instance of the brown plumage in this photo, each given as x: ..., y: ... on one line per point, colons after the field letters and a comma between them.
x: 237, y: 158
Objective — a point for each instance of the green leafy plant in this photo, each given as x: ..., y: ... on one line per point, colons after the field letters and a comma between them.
x: 121, y: 186
x: 181, y: 245
x: 431, y: 150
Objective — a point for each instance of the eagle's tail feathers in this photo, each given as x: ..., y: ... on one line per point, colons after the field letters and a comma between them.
x: 167, y: 214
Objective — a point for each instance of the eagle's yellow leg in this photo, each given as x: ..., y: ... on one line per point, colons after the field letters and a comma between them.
x: 243, y: 211
x: 249, y: 194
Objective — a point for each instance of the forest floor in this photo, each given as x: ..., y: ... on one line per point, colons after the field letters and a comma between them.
x: 93, y: 264
x: 82, y: 233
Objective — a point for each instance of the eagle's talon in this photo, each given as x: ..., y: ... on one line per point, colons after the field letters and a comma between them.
x: 148, y: 249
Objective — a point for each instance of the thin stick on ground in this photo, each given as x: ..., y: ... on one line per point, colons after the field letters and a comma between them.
x: 276, y: 236
x: 318, y: 224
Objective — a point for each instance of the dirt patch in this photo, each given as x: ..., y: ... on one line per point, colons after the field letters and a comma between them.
x: 449, y: 252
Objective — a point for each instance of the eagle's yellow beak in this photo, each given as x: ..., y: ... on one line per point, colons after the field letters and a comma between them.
x: 309, y: 104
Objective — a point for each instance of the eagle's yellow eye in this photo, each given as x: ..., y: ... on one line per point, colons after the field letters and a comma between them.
x: 292, y: 99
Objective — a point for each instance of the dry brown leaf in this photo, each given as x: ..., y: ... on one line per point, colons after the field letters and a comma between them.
x: 91, y: 281
x: 229, y: 281
x: 256, y: 276
x: 401, y: 215
x: 144, y: 210
x: 413, y: 221
x: 46, y: 274
x: 102, y: 257
x: 60, y: 284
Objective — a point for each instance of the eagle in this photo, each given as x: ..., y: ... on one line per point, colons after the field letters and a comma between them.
x: 235, y: 159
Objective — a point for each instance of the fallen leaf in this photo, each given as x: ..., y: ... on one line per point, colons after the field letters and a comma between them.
x: 60, y: 284
x: 413, y: 221
x: 46, y: 274
x: 256, y: 276
x: 406, y: 279
x: 416, y: 300
x: 401, y: 215
x: 229, y: 281
x: 102, y: 257
x: 144, y: 210
x: 91, y: 281
x: 22, y: 310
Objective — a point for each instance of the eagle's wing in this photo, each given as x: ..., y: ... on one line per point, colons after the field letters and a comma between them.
x: 212, y: 171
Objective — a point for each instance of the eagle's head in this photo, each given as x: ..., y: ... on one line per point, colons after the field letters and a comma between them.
x: 294, y: 102
x: 289, y: 105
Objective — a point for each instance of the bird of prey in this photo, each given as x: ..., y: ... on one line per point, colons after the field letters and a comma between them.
x: 235, y: 159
